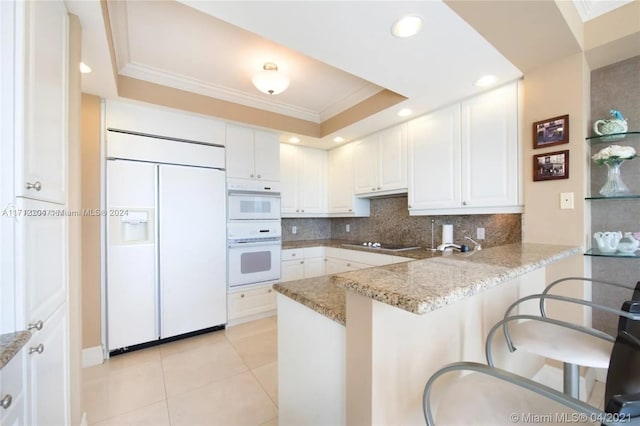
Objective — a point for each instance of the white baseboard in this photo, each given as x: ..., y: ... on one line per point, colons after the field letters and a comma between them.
x: 254, y: 317
x: 553, y: 377
x: 92, y: 356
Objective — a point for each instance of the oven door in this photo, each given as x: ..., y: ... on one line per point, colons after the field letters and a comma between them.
x: 253, y: 262
x: 251, y: 206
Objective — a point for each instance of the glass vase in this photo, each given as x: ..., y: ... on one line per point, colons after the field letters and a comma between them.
x: 614, y: 187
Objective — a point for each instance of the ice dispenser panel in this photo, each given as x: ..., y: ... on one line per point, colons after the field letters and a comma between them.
x: 134, y: 228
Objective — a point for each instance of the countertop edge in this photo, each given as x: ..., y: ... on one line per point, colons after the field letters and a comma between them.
x: 11, y: 344
x: 309, y: 303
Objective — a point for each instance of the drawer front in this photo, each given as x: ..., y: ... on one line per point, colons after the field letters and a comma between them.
x: 12, y: 381
x: 292, y: 254
x: 313, y: 252
x: 251, y: 302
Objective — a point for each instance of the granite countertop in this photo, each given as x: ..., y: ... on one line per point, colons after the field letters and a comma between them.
x: 10, y: 345
x: 421, y: 253
x: 424, y: 285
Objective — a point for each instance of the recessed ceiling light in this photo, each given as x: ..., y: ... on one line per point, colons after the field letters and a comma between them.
x: 486, y: 80
x: 294, y: 139
x: 405, y: 112
x: 84, y: 68
x: 338, y: 139
x: 407, y: 26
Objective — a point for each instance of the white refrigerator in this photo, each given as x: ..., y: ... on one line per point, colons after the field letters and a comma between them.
x: 166, y: 251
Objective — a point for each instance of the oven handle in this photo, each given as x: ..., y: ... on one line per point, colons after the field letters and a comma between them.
x: 270, y: 242
x: 239, y: 193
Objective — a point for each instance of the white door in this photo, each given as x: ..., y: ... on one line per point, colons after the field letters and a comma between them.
x: 41, y: 167
x: 434, y: 160
x: 48, y: 372
x: 489, y: 135
x: 312, y: 181
x: 42, y: 238
x: 365, y: 165
x: 192, y: 230
x: 132, y: 308
x: 392, y: 160
x: 341, y: 179
x: 267, y: 155
x: 239, y: 152
x: 290, y: 179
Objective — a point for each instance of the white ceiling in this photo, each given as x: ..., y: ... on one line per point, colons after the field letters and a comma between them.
x: 336, y: 53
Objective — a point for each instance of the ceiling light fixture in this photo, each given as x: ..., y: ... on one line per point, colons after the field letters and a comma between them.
x: 486, y: 80
x: 269, y: 80
x: 404, y: 112
x: 294, y: 139
x: 406, y: 26
x: 84, y: 68
x: 338, y: 139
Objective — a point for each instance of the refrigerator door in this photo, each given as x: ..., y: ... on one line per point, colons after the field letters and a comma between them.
x: 192, y: 231
x: 132, y: 298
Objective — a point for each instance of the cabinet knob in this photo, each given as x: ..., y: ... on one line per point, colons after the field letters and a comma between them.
x: 241, y: 296
x: 464, y: 203
x: 409, y: 205
x: 259, y: 176
x: 270, y: 290
x: 302, y: 210
x: 36, y: 185
x: 348, y: 264
x: 301, y: 262
x: 373, y: 189
x: 38, y: 349
x: 379, y: 188
x: 293, y: 255
x: 251, y: 176
x: 6, y: 401
x: 35, y: 325
x: 350, y: 210
x: 297, y: 210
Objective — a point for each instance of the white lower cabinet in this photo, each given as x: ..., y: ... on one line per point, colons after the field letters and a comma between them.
x: 12, y: 392
x: 302, y: 263
x: 248, y: 304
x: 48, y: 372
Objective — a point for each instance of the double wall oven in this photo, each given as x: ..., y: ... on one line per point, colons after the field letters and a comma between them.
x: 253, y: 234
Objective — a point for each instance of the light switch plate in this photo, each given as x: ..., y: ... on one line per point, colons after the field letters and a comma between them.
x: 294, y: 229
x: 480, y: 233
x: 347, y: 227
x: 566, y: 200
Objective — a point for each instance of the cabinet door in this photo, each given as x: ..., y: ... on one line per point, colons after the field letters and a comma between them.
x: 42, y: 258
x: 13, y: 383
x: 434, y: 160
x: 313, y: 267
x: 489, y: 135
x: 289, y: 179
x: 48, y: 389
x: 41, y: 168
x: 341, y: 179
x: 312, y: 181
x: 292, y: 270
x: 392, y: 160
x: 365, y: 165
x: 240, y: 152
x: 267, y: 155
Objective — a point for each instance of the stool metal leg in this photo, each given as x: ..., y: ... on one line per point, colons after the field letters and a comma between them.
x: 571, y: 380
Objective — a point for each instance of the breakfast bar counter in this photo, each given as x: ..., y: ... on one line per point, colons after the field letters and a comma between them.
x: 357, y: 347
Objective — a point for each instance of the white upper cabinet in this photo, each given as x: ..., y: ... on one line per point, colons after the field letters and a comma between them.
x: 464, y: 158
x: 303, y: 181
x: 380, y: 163
x: 252, y: 154
x: 42, y: 76
x: 159, y: 121
x: 489, y: 135
x: 434, y: 160
x: 342, y: 201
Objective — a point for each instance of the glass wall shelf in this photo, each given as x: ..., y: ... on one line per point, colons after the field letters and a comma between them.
x: 612, y: 137
x: 629, y: 169
x: 596, y: 252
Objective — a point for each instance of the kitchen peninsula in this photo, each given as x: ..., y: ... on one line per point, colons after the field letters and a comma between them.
x: 357, y: 347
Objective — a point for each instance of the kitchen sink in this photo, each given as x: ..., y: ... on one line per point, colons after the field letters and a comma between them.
x: 381, y: 247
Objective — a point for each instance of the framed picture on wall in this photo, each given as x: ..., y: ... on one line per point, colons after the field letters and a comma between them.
x: 550, y: 166
x: 553, y: 131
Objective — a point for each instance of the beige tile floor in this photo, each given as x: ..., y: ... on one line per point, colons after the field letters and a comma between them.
x: 223, y: 378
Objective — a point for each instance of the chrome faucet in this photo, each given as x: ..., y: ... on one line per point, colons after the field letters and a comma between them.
x: 445, y: 246
x: 477, y: 246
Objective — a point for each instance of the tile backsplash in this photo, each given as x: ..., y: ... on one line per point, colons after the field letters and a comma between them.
x: 390, y: 223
